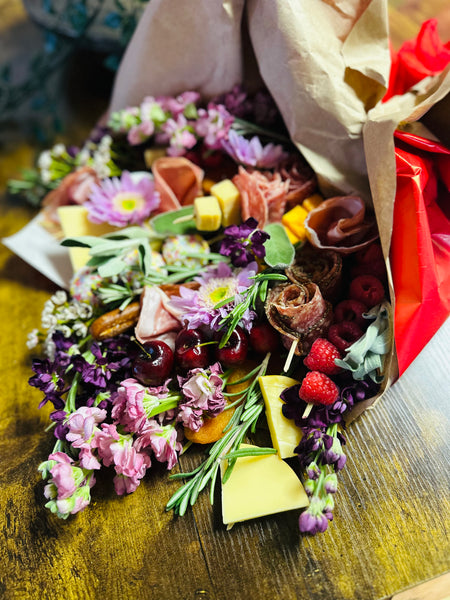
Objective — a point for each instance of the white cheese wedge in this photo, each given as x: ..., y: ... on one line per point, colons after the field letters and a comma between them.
x: 284, y: 433
x: 74, y: 223
x: 259, y: 486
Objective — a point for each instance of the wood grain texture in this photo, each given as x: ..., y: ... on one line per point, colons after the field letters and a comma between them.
x: 391, y: 528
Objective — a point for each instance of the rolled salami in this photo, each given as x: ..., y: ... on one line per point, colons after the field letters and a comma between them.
x: 299, y: 312
x: 323, y: 267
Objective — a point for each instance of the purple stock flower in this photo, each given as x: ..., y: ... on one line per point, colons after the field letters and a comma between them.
x: 244, y: 243
x: 48, y: 379
x: 314, y: 520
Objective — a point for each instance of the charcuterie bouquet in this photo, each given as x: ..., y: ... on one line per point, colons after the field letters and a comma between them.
x: 220, y: 291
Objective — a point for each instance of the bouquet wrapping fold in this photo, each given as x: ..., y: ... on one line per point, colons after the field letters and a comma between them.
x: 329, y: 84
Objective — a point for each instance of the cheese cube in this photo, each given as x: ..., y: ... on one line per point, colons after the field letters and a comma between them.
x: 230, y: 201
x: 291, y: 235
x: 152, y: 154
x: 312, y: 202
x: 294, y: 220
x: 259, y: 486
x: 207, y: 213
x: 74, y: 223
x: 284, y: 433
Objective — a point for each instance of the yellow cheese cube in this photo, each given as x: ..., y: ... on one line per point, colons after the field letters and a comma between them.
x: 207, y: 213
x: 294, y: 220
x: 284, y: 433
x: 259, y: 486
x: 230, y: 201
x: 152, y: 154
x: 291, y: 235
x: 74, y: 223
x: 312, y: 202
x: 207, y: 184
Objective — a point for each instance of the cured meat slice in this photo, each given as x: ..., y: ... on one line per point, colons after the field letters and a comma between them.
x: 323, y: 267
x: 341, y: 224
x: 154, y: 318
x: 299, y: 313
x: 178, y: 181
x: 302, y: 183
x: 263, y: 196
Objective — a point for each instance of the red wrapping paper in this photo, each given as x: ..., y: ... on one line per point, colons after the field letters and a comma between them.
x: 420, y: 246
x: 418, y: 58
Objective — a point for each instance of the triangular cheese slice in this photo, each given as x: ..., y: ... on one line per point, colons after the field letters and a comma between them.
x: 259, y: 486
x: 284, y: 432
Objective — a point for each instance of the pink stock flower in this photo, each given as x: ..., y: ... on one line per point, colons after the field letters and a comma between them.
x: 124, y: 201
x: 140, y: 133
x: 177, y: 105
x: 163, y: 440
x: 133, y: 402
x: 63, y: 475
x: 178, y: 134
x: 213, y: 125
x: 203, y: 393
x: 81, y: 425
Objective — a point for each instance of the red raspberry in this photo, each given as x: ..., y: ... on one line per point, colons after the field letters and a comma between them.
x: 321, y: 357
x: 367, y: 289
x: 351, y: 310
x: 318, y: 388
x: 343, y: 334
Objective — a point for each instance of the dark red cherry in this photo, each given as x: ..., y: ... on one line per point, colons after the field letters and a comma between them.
x: 154, y: 363
x: 189, y: 351
x: 235, y: 350
x: 264, y: 338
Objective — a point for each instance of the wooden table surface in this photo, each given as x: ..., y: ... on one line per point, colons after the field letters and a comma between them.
x: 391, y: 527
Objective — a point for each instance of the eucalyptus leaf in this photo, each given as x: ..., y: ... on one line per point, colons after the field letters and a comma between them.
x: 280, y: 252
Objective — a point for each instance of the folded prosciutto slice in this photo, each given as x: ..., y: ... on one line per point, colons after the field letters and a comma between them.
x: 323, y: 267
x: 299, y: 313
x: 155, y: 321
x: 341, y: 224
x: 177, y: 180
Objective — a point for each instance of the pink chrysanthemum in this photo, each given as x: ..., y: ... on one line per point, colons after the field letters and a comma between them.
x: 252, y: 153
x: 122, y: 202
x: 197, y: 307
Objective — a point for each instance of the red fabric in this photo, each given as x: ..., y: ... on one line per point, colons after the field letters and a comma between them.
x: 420, y: 247
x: 418, y: 58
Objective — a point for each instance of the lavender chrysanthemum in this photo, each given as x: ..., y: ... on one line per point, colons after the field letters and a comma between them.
x: 198, y: 307
x: 252, y: 153
x: 124, y: 201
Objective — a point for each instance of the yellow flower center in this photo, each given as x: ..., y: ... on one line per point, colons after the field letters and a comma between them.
x: 127, y: 202
x: 216, y: 290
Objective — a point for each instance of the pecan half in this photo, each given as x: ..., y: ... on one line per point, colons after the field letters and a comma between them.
x: 115, y: 322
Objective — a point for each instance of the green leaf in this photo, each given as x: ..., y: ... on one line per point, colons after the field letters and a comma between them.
x: 84, y: 241
x: 113, y: 267
x: 279, y: 250
x: 166, y: 223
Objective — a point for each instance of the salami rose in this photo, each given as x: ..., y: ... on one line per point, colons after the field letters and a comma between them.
x: 298, y: 312
x: 323, y: 267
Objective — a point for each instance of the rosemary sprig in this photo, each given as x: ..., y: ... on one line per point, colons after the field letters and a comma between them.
x: 257, y: 290
x: 227, y: 448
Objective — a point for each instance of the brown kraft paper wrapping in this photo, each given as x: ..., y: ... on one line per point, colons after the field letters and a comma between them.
x: 326, y: 63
